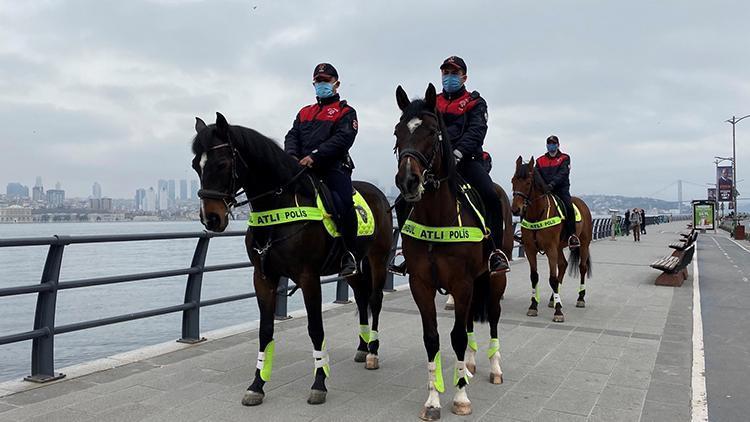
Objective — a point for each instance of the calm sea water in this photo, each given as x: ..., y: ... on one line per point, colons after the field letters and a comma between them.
x: 22, y: 266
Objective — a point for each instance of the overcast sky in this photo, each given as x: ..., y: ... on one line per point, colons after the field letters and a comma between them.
x: 637, y: 91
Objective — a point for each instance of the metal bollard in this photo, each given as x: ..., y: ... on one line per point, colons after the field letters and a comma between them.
x: 281, y: 312
x: 342, y: 292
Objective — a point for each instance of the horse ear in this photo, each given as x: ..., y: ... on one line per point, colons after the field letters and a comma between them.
x: 430, y: 96
x: 401, y: 98
x: 199, y: 125
x: 221, y: 124
x: 519, y: 161
x: 531, y: 162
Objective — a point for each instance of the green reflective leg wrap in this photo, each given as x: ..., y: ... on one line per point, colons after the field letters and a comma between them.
x: 364, y: 332
x: 459, y: 371
x: 265, y: 361
x: 494, y: 347
x: 535, y: 294
x: 321, y: 360
x: 438, y: 365
x: 581, y: 288
x: 472, y: 342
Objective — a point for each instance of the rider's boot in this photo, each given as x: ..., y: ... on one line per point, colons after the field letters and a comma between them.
x: 498, y: 262
x: 401, y: 208
x: 573, y: 242
x: 349, y: 265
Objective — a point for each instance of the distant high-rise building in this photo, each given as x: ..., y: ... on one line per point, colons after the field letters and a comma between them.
x: 38, y: 181
x: 106, y: 204
x: 17, y: 190
x: 55, y: 197
x: 183, y: 190
x: 58, y: 186
x: 194, y: 186
x: 172, y: 187
x: 163, y: 199
x: 96, y: 190
x: 149, y: 200
x: 140, y: 197
x: 38, y: 191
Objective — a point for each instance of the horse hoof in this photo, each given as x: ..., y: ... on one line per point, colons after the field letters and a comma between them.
x: 430, y: 414
x: 496, y: 379
x: 558, y: 318
x: 471, y: 367
x: 532, y: 312
x: 450, y: 306
x: 580, y: 304
x: 317, y: 397
x: 551, y: 304
x: 461, y: 409
x: 252, y: 398
x: 360, y: 356
x: 372, y: 362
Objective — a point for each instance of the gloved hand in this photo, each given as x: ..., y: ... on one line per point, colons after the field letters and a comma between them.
x: 549, y: 187
x: 458, y: 155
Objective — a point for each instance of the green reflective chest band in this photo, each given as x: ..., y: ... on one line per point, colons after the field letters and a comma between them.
x: 265, y: 361
x: 439, y: 384
x: 442, y: 234
x: 472, y: 341
x: 494, y: 347
x: 538, y: 225
x: 284, y: 216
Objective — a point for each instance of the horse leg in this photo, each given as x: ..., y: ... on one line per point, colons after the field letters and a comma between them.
x: 424, y: 297
x: 360, y: 286
x: 497, y: 288
x: 534, y: 275
x: 552, y: 256
x: 265, y: 293
x: 311, y: 292
x: 459, y: 341
x: 471, y: 347
x: 583, y: 267
x: 378, y: 274
x: 562, y: 266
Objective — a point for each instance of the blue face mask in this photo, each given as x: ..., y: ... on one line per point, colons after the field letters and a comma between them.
x: 552, y: 148
x: 451, y: 83
x: 323, y: 89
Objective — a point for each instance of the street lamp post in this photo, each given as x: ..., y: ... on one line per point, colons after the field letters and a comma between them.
x: 733, y: 121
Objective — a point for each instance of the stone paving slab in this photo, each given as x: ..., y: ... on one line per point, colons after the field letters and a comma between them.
x: 625, y: 357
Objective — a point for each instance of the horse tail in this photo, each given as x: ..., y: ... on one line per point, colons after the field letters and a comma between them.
x: 574, y: 263
x: 480, y: 299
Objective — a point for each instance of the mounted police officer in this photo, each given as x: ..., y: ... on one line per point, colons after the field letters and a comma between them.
x: 554, y: 167
x: 465, y: 116
x: 320, y: 138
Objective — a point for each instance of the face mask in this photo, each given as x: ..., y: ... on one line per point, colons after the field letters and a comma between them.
x: 323, y: 89
x: 552, y: 148
x: 452, y: 83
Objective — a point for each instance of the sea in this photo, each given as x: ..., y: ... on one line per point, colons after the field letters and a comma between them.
x: 23, y: 266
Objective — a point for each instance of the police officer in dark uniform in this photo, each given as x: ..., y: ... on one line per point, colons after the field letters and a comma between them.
x: 320, y: 138
x: 465, y: 117
x: 554, y: 167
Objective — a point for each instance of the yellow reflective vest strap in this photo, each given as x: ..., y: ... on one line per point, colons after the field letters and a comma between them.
x: 442, y: 234
x: 283, y: 216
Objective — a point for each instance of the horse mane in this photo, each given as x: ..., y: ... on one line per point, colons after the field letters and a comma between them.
x: 269, y: 165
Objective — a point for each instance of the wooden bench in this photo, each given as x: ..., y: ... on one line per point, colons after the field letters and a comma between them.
x: 681, y: 245
x: 674, y: 267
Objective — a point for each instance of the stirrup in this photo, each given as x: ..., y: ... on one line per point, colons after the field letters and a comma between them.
x: 504, y: 268
x: 354, y: 271
x: 572, y: 244
x: 398, y: 269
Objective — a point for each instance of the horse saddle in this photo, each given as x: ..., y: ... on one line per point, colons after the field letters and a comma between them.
x: 325, y: 202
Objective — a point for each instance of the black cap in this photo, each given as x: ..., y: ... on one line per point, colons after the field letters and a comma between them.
x: 454, y: 61
x: 326, y: 69
x: 553, y: 140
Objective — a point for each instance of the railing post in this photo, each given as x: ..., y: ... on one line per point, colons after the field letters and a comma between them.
x: 43, y: 348
x: 388, y: 286
x: 281, y: 313
x: 342, y: 292
x: 191, y: 321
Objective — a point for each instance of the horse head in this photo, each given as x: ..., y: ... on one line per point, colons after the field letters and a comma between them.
x: 419, y: 144
x: 215, y: 162
x: 523, y: 186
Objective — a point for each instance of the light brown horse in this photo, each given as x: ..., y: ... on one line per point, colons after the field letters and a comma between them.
x: 428, y: 180
x: 532, y: 204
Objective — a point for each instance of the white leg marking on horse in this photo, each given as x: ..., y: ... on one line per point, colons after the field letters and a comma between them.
x: 495, y: 364
x: 557, y: 298
x: 471, y: 361
x: 414, y: 124
x: 433, y: 399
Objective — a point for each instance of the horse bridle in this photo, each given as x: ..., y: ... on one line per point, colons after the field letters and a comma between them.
x: 429, y: 179
x: 526, y: 196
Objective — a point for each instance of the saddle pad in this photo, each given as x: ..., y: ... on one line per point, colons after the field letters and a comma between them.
x: 365, y: 219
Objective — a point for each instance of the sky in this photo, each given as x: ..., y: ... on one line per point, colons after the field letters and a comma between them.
x: 637, y: 91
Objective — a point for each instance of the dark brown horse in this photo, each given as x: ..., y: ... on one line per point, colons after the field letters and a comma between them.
x: 427, y: 179
x: 533, y: 205
x: 229, y: 158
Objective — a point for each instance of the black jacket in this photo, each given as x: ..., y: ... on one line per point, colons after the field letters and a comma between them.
x: 465, y: 116
x: 555, y: 170
x: 325, y: 131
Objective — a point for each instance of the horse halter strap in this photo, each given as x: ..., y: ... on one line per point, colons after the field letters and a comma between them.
x: 229, y: 198
x: 430, y: 178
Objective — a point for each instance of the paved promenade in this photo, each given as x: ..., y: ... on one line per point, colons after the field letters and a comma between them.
x: 626, y: 357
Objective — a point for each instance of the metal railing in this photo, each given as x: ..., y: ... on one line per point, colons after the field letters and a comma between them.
x: 44, y: 329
